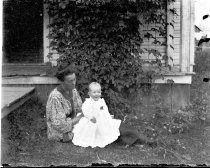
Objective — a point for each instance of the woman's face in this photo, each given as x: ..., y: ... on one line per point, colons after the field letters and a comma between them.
x: 70, y: 81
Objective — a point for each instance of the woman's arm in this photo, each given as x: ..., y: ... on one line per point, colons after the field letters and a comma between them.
x: 77, y: 102
x: 57, y: 116
x: 76, y: 119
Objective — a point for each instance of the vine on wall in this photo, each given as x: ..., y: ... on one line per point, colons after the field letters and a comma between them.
x: 103, y: 39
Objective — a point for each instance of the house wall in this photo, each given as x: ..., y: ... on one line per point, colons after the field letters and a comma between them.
x: 177, y: 33
x: 182, y: 52
x: 174, y: 31
x: 180, y: 36
x: 187, y: 36
x: 182, y: 33
x: 173, y: 95
x: 148, y: 43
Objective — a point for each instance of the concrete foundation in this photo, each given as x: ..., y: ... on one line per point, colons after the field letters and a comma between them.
x: 172, y: 96
x: 176, y: 95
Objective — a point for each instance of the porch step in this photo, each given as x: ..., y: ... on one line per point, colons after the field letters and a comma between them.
x: 13, y: 97
x: 11, y: 70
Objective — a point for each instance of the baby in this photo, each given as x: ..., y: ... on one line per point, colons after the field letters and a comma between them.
x: 97, y: 128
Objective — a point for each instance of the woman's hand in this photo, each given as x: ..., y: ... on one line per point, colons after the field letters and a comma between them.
x: 76, y: 119
x: 80, y: 114
x: 93, y: 120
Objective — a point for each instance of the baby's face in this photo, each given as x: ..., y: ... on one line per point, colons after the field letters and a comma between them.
x: 95, y: 92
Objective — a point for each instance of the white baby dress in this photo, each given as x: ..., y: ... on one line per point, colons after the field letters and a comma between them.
x: 99, y: 134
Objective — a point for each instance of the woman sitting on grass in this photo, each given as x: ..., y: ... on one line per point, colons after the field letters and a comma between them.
x: 64, y: 104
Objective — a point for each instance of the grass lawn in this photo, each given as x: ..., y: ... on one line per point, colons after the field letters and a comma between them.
x: 24, y: 142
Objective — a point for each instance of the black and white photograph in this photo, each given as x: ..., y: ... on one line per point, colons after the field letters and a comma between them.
x: 91, y: 83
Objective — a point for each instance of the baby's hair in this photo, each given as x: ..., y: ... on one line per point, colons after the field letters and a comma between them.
x: 93, y: 84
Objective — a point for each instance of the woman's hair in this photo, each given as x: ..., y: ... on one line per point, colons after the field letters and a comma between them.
x: 61, y: 74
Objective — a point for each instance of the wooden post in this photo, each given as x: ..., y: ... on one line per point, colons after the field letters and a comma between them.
x: 45, y: 33
x: 187, y: 35
x: 192, y: 35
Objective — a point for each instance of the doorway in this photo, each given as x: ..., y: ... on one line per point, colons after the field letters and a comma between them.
x: 22, y: 31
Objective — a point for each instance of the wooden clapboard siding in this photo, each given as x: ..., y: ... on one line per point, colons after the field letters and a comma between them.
x: 174, y: 31
x: 149, y: 43
x: 176, y: 62
x: 176, y: 41
x: 177, y: 33
x: 176, y: 49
